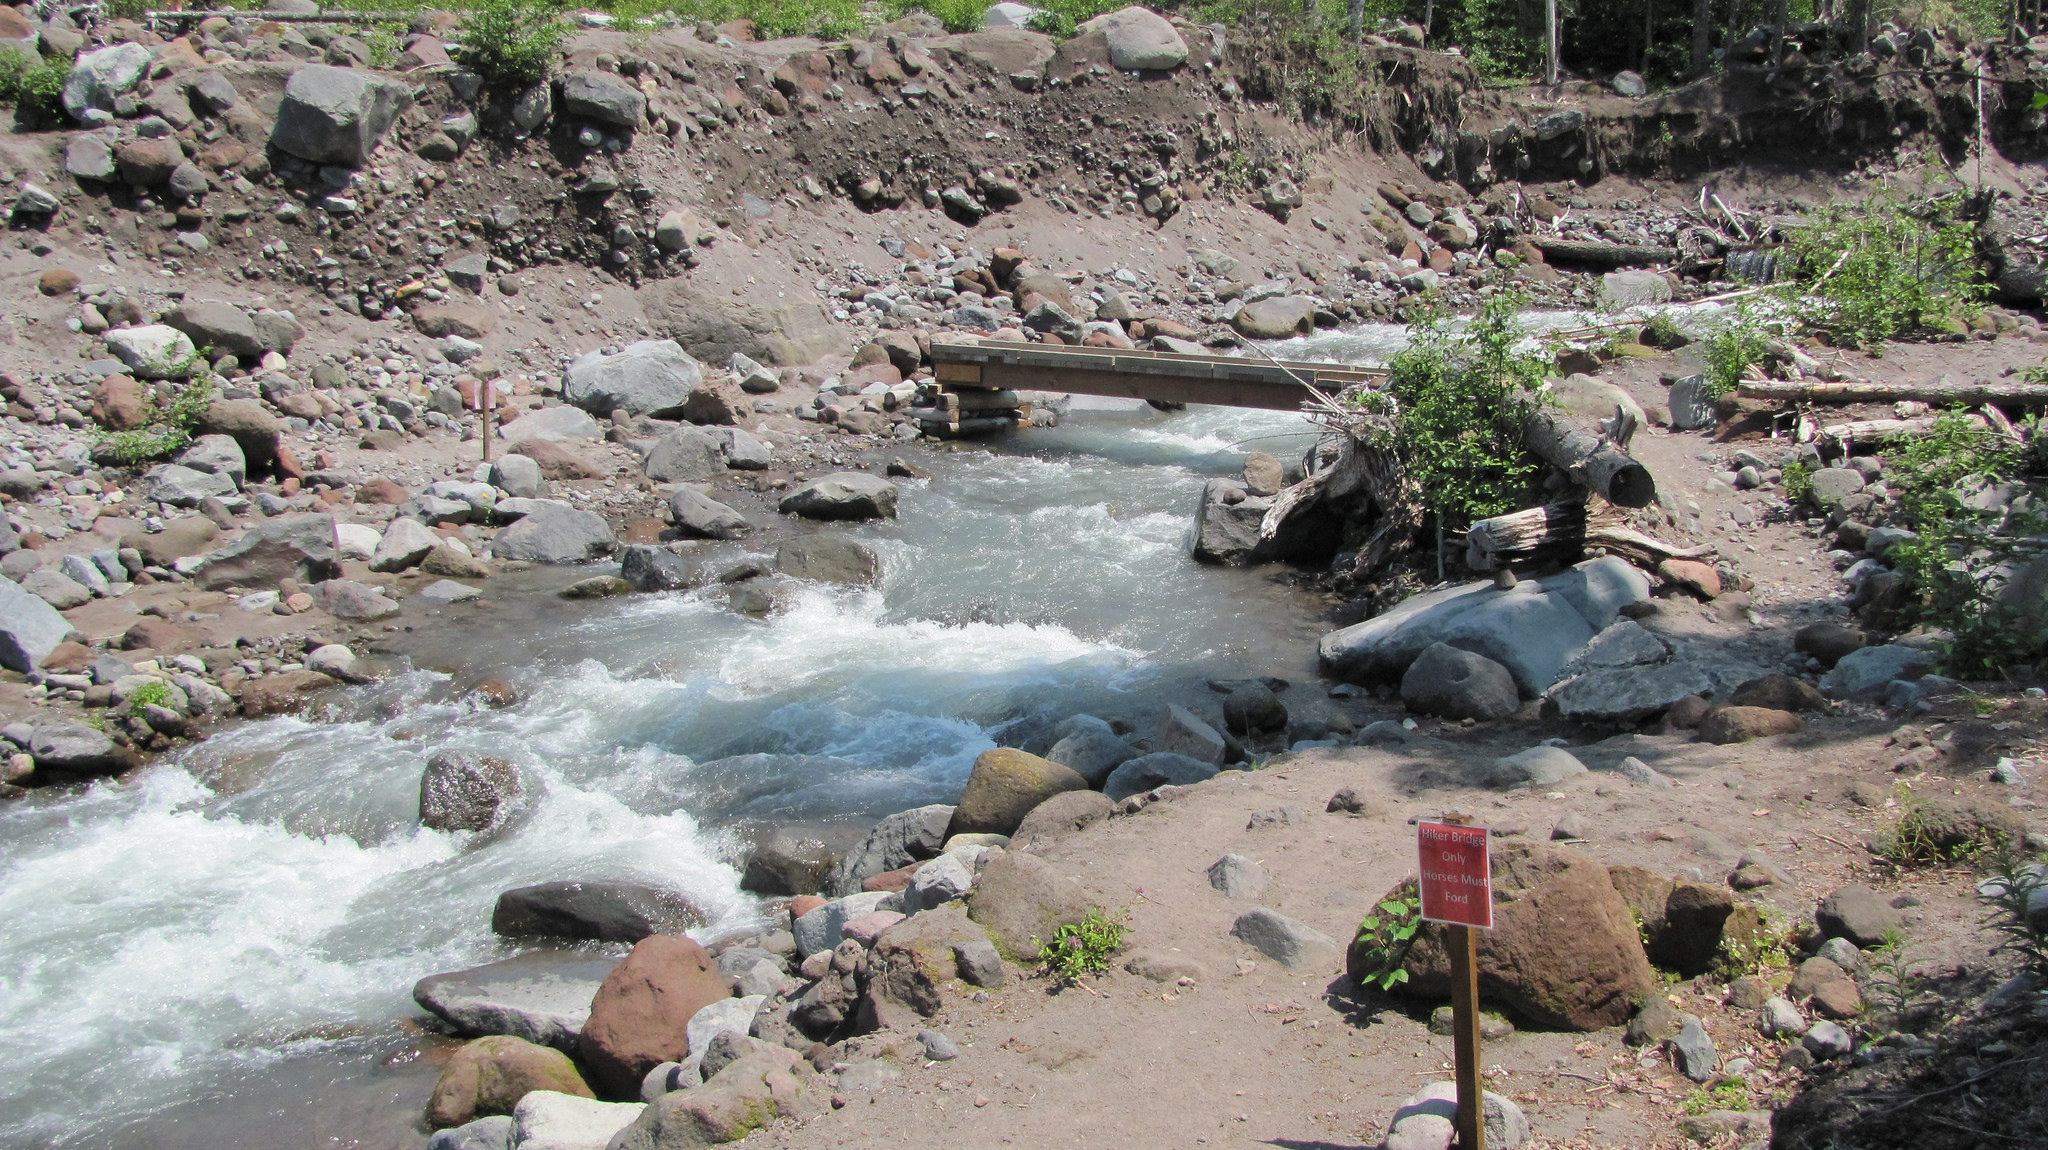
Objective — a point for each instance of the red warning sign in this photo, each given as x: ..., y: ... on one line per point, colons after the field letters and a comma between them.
x: 1457, y: 880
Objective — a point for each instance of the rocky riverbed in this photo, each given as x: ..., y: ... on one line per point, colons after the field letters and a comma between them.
x: 720, y: 729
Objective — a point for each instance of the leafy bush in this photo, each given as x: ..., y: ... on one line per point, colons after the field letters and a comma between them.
x: 167, y: 430
x: 1082, y: 948
x: 512, y: 41
x: 956, y: 15
x: 1458, y: 401
x: 2010, y: 894
x: 1952, y: 565
x: 1387, y: 935
x: 1062, y: 17
x: 155, y: 693
x: 1736, y: 345
x: 1798, y: 480
x: 1870, y: 271
x: 35, y: 88
x: 1933, y: 835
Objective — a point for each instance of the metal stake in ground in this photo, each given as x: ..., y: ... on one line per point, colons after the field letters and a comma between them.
x: 1456, y: 883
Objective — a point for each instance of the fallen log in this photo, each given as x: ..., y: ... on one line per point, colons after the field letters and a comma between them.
x: 1869, y: 432
x: 1943, y: 392
x: 1562, y: 532
x: 1592, y: 459
x: 1600, y: 254
x: 1553, y: 531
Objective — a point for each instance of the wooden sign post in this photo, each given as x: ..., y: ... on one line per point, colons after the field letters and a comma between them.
x: 1457, y: 890
x: 487, y: 406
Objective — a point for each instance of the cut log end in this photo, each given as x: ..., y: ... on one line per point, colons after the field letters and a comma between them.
x: 1632, y: 486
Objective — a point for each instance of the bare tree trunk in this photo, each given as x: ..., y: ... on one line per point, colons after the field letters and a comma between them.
x: 1649, y: 34
x: 1550, y: 41
x: 1702, y: 34
x: 1428, y: 19
x: 1592, y: 460
x: 1357, y: 15
x: 1778, y: 36
x: 1940, y: 392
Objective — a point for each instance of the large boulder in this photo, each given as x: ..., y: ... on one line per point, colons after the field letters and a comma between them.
x: 76, y: 748
x: 490, y: 1075
x: 599, y: 911
x: 251, y: 425
x: 1004, y: 786
x: 550, y: 425
x: 153, y: 351
x: 1858, y: 914
x: 1227, y: 523
x: 29, y: 628
x: 336, y: 115
x: 653, y: 377
x: 1457, y: 684
x: 1022, y: 901
x: 297, y: 547
x: 1276, y: 317
x: 711, y: 323
x: 555, y: 533
x: 603, y: 97
x: 551, y: 1120
x: 911, y: 963
x: 647, y: 568
x: 1564, y: 952
x: 685, y: 455
x: 100, y: 78
x: 640, y: 1015
x: 698, y: 516
x: 764, y: 1084
x: 897, y: 841
x: 220, y: 326
x: 843, y: 495
x: 1682, y: 922
x: 828, y: 559
x: 1631, y: 694
x: 1091, y: 750
x: 543, y: 997
x: 1159, y: 769
x: 404, y: 543
x: 1533, y: 629
x: 1063, y: 814
x: 465, y: 791
x: 1140, y: 40
x: 1861, y: 675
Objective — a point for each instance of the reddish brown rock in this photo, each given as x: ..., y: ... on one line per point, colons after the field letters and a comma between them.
x: 892, y: 880
x: 556, y: 462
x: 638, y: 1017
x: 443, y: 319
x: 281, y: 694
x: 117, y: 404
x: 804, y: 904
x: 57, y: 281
x: 1741, y: 724
x: 153, y: 634
x: 1564, y: 952
x: 381, y: 491
x: 718, y: 403
x: 68, y: 658
x: 1696, y: 577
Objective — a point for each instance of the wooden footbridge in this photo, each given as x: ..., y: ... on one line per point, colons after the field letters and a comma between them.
x: 1159, y: 376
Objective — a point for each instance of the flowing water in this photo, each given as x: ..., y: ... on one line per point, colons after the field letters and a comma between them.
x: 211, y: 952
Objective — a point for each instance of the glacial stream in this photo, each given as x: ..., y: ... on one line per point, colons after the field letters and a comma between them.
x: 214, y: 952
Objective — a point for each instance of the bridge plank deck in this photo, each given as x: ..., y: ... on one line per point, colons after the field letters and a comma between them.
x: 1227, y: 381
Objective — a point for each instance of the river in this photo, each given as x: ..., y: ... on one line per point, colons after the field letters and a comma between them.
x: 212, y: 951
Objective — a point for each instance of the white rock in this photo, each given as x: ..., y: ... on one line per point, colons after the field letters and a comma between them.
x: 153, y: 351
x: 357, y: 540
x: 548, y: 1120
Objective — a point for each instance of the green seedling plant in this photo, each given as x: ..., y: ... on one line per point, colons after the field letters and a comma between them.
x: 152, y: 694
x: 2014, y: 894
x: 1082, y: 948
x: 169, y: 427
x: 1728, y: 1094
x: 1386, y: 936
x: 1888, y: 982
x: 1736, y: 345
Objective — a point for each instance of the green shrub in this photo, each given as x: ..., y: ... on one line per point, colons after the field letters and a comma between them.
x: 1798, y: 480
x: 1458, y: 400
x: 1884, y: 267
x: 1082, y: 948
x: 34, y: 87
x: 956, y: 15
x: 1736, y: 345
x: 2015, y: 882
x: 167, y: 430
x: 1386, y: 936
x: 126, y: 9
x: 1063, y: 17
x: 154, y: 693
x: 1953, y: 564
x: 512, y: 41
